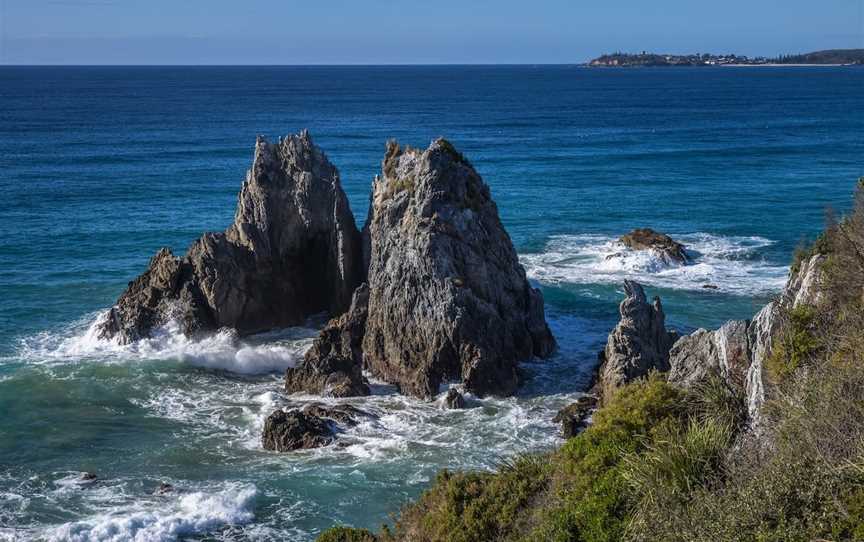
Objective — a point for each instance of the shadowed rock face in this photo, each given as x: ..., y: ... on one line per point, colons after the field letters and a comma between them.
x: 448, y: 298
x: 648, y: 239
x: 639, y: 343
x: 292, y: 251
x: 333, y: 365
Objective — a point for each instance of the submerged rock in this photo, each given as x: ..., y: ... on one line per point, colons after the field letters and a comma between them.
x: 163, y: 489
x: 292, y: 251
x: 454, y: 400
x: 295, y: 430
x: 639, y: 344
x: 574, y: 417
x: 648, y: 239
x: 333, y: 365
x: 448, y: 298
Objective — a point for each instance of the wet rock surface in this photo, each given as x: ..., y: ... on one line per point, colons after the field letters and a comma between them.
x: 648, y: 239
x: 453, y: 400
x: 333, y: 365
x: 346, y: 415
x: 295, y: 430
x: 292, y: 251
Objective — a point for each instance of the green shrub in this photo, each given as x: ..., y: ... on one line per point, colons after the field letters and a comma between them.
x: 590, y: 498
x: 451, y: 150
x: 345, y: 534
x: 677, y: 461
x: 474, y: 506
x: 805, y: 251
x: 713, y: 400
x: 796, y: 344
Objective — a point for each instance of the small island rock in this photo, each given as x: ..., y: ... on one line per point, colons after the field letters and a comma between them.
x: 333, y: 365
x: 647, y: 239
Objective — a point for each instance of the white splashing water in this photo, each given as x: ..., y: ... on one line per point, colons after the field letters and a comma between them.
x: 183, y: 515
x: 259, y: 354
x: 728, y: 264
x: 224, y: 415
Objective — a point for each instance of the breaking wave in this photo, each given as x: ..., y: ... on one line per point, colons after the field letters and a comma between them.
x: 258, y: 354
x: 733, y: 265
x: 184, y: 515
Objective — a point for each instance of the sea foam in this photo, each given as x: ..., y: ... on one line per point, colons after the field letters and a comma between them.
x: 224, y: 350
x: 728, y: 264
x: 185, y: 515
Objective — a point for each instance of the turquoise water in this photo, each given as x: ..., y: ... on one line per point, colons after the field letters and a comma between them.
x: 100, y: 167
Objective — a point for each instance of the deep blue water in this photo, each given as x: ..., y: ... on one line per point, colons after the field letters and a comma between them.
x: 100, y: 167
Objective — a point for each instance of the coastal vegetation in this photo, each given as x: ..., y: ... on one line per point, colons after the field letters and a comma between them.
x: 666, y: 462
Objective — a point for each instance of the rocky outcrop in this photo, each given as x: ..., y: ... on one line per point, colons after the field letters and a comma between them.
x: 333, y: 365
x: 669, y: 250
x: 737, y: 350
x: 448, y: 298
x: 574, y: 417
x: 295, y: 430
x: 346, y: 415
x: 453, y: 400
x: 726, y: 352
x: 639, y: 344
x: 292, y: 251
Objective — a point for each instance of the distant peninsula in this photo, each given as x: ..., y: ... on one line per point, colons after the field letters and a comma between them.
x: 832, y: 57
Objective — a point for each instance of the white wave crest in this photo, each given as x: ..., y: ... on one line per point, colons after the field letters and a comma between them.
x: 190, y: 514
x: 265, y: 353
x: 728, y: 264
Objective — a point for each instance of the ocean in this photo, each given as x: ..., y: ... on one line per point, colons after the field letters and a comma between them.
x: 102, y: 166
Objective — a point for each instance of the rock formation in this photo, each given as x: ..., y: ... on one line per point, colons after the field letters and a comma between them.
x: 648, y: 239
x: 292, y: 251
x: 454, y: 400
x: 737, y: 350
x: 574, y: 417
x: 639, y: 343
x: 448, y: 298
x: 295, y: 430
x: 344, y: 414
x: 333, y: 365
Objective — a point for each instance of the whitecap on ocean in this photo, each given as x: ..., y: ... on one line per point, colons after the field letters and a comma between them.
x: 731, y: 264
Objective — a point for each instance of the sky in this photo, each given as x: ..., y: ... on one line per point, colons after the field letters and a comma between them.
x: 411, y: 31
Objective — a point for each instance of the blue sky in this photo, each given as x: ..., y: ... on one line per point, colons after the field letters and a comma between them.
x: 411, y: 32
